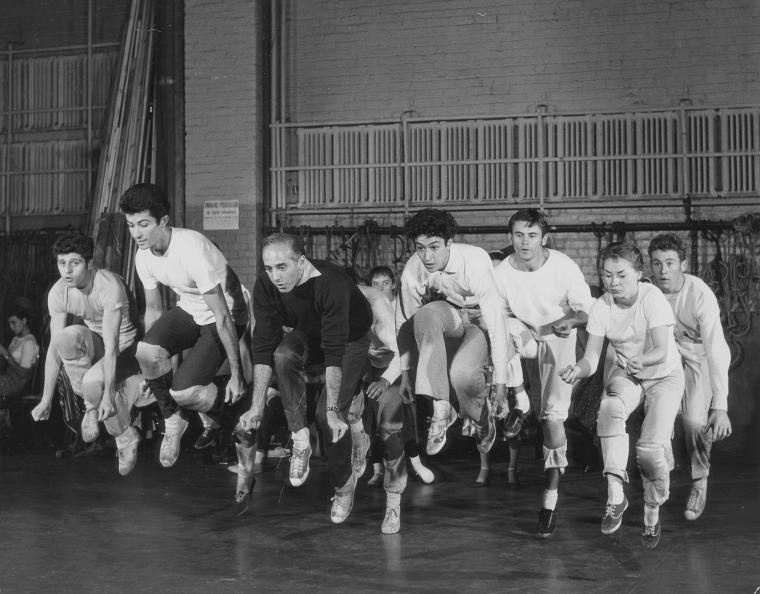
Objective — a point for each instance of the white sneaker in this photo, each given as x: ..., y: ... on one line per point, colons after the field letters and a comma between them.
x: 359, y: 449
x: 695, y: 505
x: 126, y: 450
x: 444, y: 416
x: 174, y: 427
x: 90, y: 427
x: 426, y: 475
x: 299, y: 466
x: 343, y: 501
x: 391, y: 521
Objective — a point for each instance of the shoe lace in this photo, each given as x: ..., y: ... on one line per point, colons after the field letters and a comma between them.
x: 297, y: 460
x: 694, y: 496
x: 391, y: 515
x: 650, y: 530
x: 340, y: 502
x: 609, y: 510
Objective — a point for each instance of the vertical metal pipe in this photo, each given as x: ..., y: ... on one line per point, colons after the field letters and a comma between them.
x: 9, y: 144
x: 89, y: 97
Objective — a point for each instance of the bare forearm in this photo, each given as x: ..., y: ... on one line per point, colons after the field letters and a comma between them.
x: 262, y: 376
x: 52, y: 368
x: 333, y: 381
x: 228, y: 335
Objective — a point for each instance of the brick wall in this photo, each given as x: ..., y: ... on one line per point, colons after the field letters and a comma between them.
x: 223, y: 128
x: 370, y: 59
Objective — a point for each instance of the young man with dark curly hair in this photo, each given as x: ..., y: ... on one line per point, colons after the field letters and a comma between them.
x: 448, y: 292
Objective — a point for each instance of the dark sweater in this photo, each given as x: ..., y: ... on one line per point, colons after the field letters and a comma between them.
x: 330, y: 309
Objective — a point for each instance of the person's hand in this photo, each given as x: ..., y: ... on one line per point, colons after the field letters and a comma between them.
x: 377, y: 388
x: 41, y: 412
x: 569, y: 374
x: 562, y: 328
x: 107, y: 408
x: 235, y: 389
x: 633, y: 366
x: 499, y: 403
x: 719, y: 423
x: 338, y: 426
x: 251, y: 419
x: 406, y: 390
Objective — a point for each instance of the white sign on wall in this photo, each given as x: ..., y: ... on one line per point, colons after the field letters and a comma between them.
x: 221, y: 214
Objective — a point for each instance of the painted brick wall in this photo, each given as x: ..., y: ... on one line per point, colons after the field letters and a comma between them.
x: 223, y: 110
x: 352, y: 59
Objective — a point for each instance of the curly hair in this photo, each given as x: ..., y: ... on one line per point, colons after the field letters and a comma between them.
x: 666, y: 242
x: 431, y: 222
x: 623, y: 250
x: 74, y: 243
x: 142, y: 197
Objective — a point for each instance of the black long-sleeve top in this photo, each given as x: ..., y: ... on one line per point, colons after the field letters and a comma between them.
x: 329, y: 308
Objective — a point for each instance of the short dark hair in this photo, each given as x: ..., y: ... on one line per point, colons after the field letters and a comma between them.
x: 141, y: 197
x: 531, y: 216
x: 431, y: 222
x: 497, y: 255
x: 295, y: 242
x: 668, y: 242
x: 74, y: 243
x: 18, y: 310
x: 623, y: 250
x: 380, y: 270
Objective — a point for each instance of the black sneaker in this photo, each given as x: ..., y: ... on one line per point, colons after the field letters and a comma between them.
x: 206, y: 438
x: 612, y: 517
x: 650, y: 536
x: 547, y: 522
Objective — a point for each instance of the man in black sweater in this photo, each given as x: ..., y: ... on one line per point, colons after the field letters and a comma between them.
x: 330, y: 321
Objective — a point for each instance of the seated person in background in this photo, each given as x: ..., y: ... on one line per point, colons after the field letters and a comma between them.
x: 99, y: 357
x: 210, y: 316
x: 383, y: 279
x: 706, y: 359
x: 639, y: 323
x: 448, y: 291
x: 19, y: 358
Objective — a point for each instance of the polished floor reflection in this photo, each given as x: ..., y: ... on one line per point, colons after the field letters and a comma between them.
x: 74, y: 525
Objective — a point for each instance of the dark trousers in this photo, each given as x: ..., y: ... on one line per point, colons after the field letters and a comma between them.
x: 290, y: 361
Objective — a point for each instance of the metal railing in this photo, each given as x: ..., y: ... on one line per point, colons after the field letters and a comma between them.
x: 538, y: 158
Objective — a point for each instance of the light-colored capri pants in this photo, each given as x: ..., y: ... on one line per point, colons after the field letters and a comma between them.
x: 556, y: 395
x: 81, y: 353
x: 654, y: 452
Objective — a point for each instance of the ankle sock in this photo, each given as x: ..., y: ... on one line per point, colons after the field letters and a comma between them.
x: 615, y: 492
x: 651, y: 515
x: 550, y: 498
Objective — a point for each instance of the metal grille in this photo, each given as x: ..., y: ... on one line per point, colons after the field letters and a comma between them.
x: 537, y: 158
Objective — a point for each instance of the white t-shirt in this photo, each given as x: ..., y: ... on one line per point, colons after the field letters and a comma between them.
x: 628, y: 328
x: 191, y: 266
x: 108, y: 294
x: 541, y: 297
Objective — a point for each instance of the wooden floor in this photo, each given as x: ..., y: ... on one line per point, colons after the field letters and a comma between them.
x: 74, y: 525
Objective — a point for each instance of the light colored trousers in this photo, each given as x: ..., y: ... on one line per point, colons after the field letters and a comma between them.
x: 466, y: 367
x: 654, y: 453
x: 81, y: 353
x: 556, y: 395
x: 697, y: 399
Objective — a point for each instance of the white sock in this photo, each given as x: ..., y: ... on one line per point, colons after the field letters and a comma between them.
x: 301, y: 438
x: 651, y: 515
x: 259, y: 457
x: 392, y: 499
x: 441, y: 409
x: 521, y: 399
x: 550, y: 498
x: 615, y: 492
x: 378, y: 468
x: 356, y: 428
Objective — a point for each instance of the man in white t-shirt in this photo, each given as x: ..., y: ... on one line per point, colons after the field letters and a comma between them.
x: 99, y: 357
x: 547, y: 298
x: 706, y: 359
x: 209, y: 318
x: 448, y: 292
